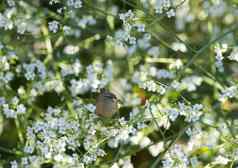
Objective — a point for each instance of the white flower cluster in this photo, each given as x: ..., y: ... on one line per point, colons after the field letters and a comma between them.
x: 219, y: 56
x: 52, y: 137
x: 123, y: 163
x: 5, y: 21
x: 154, y: 51
x: 71, y: 69
x: 74, y: 3
x: 133, y: 35
x: 164, y: 116
x: 192, y: 132
x: 191, y: 113
x: 221, y: 160
x: 92, y: 81
x: 160, y: 6
x: 54, y: 26
x: 183, y: 16
x: 4, y: 64
x: 227, y: 93
x: 154, y: 111
x: 125, y: 36
x: 70, y: 134
x: 191, y: 83
x: 122, y: 135
x: 234, y: 54
x: 163, y: 73
x: 13, y: 108
x: 164, y: 5
x: 6, y: 74
x: 215, y: 8
x: 176, y: 157
x: 91, y: 145
x: 11, y: 18
x: 151, y: 86
x: 85, y: 21
x: 33, y: 70
x: 177, y: 46
x: 145, y: 73
x: 50, y: 85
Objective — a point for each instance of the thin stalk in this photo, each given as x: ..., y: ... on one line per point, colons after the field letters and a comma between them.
x: 156, y: 123
x: 11, y: 152
x: 204, y: 48
x: 48, y: 44
x: 159, y: 158
x: 19, y: 132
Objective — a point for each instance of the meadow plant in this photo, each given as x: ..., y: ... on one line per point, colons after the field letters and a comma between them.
x: 172, y: 64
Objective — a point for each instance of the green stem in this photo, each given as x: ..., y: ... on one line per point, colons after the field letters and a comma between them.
x: 8, y: 151
x: 20, y: 134
x: 48, y: 44
x: 204, y: 48
x: 159, y: 158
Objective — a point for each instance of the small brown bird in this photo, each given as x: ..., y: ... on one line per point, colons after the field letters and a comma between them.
x: 106, y: 104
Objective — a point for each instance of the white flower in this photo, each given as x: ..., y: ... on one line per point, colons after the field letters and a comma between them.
x: 191, y: 82
x: 191, y: 113
x: 113, y: 143
x: 177, y: 46
x: 177, y: 64
x: 11, y: 3
x: 163, y: 73
x: 128, y: 15
x: 156, y: 148
x: 194, y: 162
x: 219, y: 56
x: 175, y: 158
x: 32, y: 68
x: 145, y: 142
x: 53, y: 2
x: 192, y: 132
x: 173, y: 114
x: 135, y: 140
x: 221, y: 160
x: 14, y: 164
x: 71, y: 49
x: 21, y: 109
x: 144, y: 43
x: 1, y: 46
x: 115, y: 165
x: 227, y: 93
x: 86, y: 20
x: 79, y: 87
x: 234, y: 54
x: 162, y: 5
x: 6, y: 23
x: 9, y: 113
x: 74, y: 3
x: 58, y: 157
x: 170, y: 13
x: 53, y: 26
x: 67, y: 30
x: 2, y: 101
x: 109, y: 71
x: 77, y: 67
x: 151, y: 86
x: 154, y: 51
x: 140, y: 27
x: 127, y: 164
